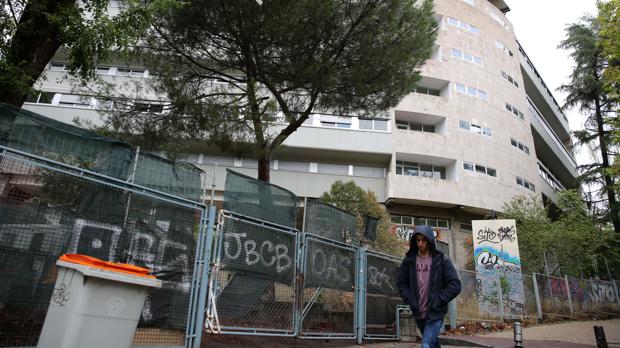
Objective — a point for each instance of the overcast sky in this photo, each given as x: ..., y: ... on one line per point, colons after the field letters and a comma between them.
x: 539, y: 26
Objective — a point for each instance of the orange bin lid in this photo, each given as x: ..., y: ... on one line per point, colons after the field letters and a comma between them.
x: 105, y: 265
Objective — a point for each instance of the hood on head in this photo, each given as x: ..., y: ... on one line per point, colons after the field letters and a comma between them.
x: 427, y: 232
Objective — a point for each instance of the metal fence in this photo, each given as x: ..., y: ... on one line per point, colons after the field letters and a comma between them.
x: 48, y: 208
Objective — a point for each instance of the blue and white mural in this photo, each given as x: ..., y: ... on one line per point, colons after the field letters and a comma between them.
x: 498, y: 267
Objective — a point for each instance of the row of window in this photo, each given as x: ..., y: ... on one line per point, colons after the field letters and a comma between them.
x: 429, y: 91
x: 503, y: 47
x: 290, y: 166
x: 429, y: 128
x: 528, y: 185
x: 419, y: 169
x: 471, y: 91
x: 479, y: 169
x: 519, y: 145
x: 549, y: 178
x: 474, y: 128
x: 509, y: 78
x: 417, y: 220
x: 462, y: 25
x: 514, y: 110
x: 84, y: 101
x: 466, y: 56
x: 107, y: 70
x: 499, y: 20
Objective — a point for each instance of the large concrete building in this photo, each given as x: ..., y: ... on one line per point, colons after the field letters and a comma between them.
x: 480, y: 128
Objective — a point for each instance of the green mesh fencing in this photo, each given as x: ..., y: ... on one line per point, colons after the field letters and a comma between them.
x: 45, y: 213
x: 36, y: 134
x: 327, y: 221
x: 248, y: 196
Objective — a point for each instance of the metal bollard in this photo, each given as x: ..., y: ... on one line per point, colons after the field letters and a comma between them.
x: 599, y: 334
x: 518, y: 334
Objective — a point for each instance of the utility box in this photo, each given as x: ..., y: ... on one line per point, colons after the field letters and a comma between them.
x: 95, y: 303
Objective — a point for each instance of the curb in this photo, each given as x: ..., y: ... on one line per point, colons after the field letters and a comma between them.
x: 454, y: 341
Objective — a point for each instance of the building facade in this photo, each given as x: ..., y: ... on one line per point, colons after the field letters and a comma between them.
x: 480, y: 128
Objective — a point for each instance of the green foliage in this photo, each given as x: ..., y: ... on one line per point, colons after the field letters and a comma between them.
x: 349, y: 196
x: 245, y: 76
x: 572, y: 242
x: 32, y: 31
x: 587, y: 90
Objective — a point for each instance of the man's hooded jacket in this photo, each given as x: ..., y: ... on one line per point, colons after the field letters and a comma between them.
x: 444, y: 281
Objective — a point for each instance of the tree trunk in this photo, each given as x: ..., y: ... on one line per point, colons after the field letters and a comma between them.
x: 609, y: 184
x: 263, y: 168
x: 35, y: 42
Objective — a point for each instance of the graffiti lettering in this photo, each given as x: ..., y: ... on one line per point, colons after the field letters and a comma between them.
x: 491, y: 261
x: 602, y: 293
x: 516, y: 308
x: 507, y: 233
x: 267, y: 254
x: 330, y: 267
x: 379, y: 278
x: 404, y: 232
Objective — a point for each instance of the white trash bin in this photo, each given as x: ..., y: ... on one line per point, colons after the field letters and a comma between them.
x: 95, y: 304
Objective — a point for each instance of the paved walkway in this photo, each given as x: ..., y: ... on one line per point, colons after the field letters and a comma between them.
x: 573, y: 334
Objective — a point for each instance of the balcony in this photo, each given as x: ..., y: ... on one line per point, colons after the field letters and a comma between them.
x: 541, y: 96
x: 550, y: 149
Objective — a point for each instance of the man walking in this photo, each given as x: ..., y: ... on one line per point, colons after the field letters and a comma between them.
x: 427, y: 282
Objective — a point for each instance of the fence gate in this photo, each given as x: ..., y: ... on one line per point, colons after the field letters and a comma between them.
x: 48, y: 208
x: 330, y: 282
x: 252, y: 287
x: 383, y: 303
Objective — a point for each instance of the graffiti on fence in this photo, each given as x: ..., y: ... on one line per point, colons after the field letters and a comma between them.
x: 330, y: 266
x: 558, y: 287
x: 602, y: 292
x: 496, y: 254
x: 263, y: 254
x: 380, y: 278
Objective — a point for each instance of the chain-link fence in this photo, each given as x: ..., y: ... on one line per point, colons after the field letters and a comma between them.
x: 382, y: 296
x: 330, y: 278
x: 254, y: 277
x: 49, y: 209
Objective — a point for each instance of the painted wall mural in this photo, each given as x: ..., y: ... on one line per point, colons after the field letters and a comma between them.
x: 498, y: 266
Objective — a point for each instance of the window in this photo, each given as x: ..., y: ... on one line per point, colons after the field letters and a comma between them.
x: 549, y: 178
x: 57, y: 66
x: 419, y: 169
x: 503, y: 47
x: 519, y: 145
x: 429, y: 91
x: 474, y: 128
x: 40, y: 97
x: 514, y: 110
x: 499, y: 20
x: 74, y: 100
x: 335, y: 124
x: 471, y: 167
x: 471, y: 2
x: 463, y: 25
x: 102, y: 70
x: 371, y: 172
x: 528, y: 185
x: 465, y: 56
x: 373, y: 124
x: 133, y: 72
x: 329, y: 168
x: 509, y: 78
x: 428, y: 128
x: 155, y: 108
x: 471, y: 91
x: 420, y: 220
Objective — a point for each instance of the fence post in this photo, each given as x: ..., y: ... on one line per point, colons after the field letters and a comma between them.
x: 204, y: 277
x: 615, y: 283
x: 360, y: 303
x: 570, y: 299
x: 499, y: 295
x: 537, y: 296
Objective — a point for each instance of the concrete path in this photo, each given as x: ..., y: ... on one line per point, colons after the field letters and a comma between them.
x: 574, y: 334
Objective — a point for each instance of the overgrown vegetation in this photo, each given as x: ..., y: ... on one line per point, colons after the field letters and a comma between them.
x: 349, y: 196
